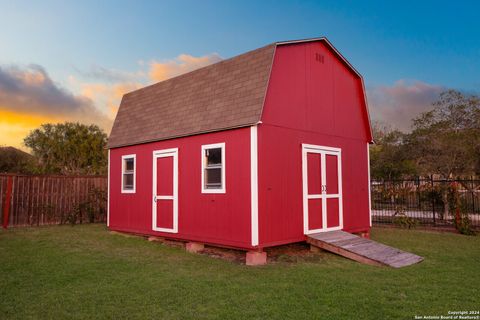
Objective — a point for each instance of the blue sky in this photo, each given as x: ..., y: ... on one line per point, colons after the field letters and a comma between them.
x: 403, y: 48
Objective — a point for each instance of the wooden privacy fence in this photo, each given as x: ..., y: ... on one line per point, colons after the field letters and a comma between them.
x: 41, y: 200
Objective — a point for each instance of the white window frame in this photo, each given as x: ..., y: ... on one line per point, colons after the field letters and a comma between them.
x: 125, y: 157
x: 224, y: 181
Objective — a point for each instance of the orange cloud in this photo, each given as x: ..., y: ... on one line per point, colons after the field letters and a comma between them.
x: 14, y: 126
x: 107, y: 86
x: 184, y: 63
x: 108, y: 96
x: 29, y: 97
x: 30, y: 91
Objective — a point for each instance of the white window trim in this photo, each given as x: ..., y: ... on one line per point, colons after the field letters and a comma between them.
x: 134, y: 157
x: 224, y: 181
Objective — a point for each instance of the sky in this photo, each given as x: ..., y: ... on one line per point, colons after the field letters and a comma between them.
x: 73, y: 60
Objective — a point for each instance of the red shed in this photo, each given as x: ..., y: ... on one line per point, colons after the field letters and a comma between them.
x: 254, y: 151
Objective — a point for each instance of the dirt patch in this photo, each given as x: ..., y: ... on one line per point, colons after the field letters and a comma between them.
x: 294, y: 253
x: 236, y: 256
x: 286, y: 254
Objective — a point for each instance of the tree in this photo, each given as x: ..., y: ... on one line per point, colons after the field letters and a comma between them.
x: 13, y: 160
x: 69, y: 148
x: 446, y: 140
x: 388, y: 159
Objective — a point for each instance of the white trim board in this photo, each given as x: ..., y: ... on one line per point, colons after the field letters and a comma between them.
x: 125, y: 157
x: 223, y: 189
x: 173, y: 197
x: 369, y: 187
x: 254, y: 183
x: 323, y: 151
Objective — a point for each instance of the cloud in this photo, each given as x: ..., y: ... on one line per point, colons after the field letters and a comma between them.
x: 103, y: 74
x: 110, y: 85
x: 398, y: 104
x: 29, y: 98
x: 30, y: 90
x: 162, y: 70
x: 108, y: 96
x: 107, y: 86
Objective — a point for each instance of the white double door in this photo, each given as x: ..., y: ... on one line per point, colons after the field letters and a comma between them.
x: 322, y: 188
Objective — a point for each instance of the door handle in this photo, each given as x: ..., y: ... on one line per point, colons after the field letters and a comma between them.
x: 155, y: 198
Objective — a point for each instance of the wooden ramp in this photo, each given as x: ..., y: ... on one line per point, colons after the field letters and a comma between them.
x: 361, y: 249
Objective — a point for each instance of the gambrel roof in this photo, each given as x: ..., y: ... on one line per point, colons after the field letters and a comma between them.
x: 225, y: 95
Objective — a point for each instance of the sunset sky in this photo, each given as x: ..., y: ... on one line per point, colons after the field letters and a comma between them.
x: 73, y: 61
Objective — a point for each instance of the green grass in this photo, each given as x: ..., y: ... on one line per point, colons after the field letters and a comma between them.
x: 84, y: 272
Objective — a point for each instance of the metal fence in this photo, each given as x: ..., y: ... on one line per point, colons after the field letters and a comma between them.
x: 425, y: 201
x: 40, y: 200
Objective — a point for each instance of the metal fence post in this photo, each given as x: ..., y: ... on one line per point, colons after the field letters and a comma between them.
x: 433, y: 200
x: 473, y: 195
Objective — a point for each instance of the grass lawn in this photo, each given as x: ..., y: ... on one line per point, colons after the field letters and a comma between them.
x: 84, y: 272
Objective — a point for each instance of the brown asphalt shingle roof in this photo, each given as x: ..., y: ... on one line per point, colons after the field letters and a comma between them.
x: 224, y: 95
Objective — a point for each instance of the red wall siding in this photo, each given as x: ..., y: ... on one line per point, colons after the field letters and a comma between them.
x: 315, y: 103
x: 212, y: 218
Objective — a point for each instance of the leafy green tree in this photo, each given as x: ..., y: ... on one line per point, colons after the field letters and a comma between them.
x: 446, y: 140
x: 388, y: 159
x: 69, y: 148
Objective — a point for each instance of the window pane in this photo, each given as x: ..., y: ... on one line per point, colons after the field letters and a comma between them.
x: 129, y: 164
x: 214, y: 156
x: 213, y: 178
x: 128, y: 181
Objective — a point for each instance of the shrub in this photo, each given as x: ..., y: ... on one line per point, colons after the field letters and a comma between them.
x: 405, y: 221
x: 461, y: 220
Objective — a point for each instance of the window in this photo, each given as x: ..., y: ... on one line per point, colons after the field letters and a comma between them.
x: 128, y: 173
x: 213, y: 168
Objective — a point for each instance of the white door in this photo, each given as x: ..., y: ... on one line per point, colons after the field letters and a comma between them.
x: 165, y: 191
x: 322, y: 188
